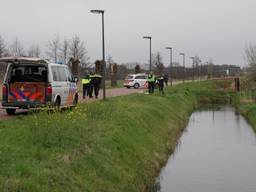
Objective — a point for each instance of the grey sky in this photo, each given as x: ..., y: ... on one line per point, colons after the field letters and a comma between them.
x: 217, y: 29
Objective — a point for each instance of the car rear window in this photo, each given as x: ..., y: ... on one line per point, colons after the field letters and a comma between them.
x: 28, y: 73
x: 141, y: 77
x: 129, y: 77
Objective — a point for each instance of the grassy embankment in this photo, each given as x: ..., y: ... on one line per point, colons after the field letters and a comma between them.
x: 246, y: 105
x: 117, y: 145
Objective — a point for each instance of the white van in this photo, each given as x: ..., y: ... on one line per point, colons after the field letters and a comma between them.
x: 33, y: 82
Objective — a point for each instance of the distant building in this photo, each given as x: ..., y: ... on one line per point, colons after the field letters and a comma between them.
x: 225, y: 70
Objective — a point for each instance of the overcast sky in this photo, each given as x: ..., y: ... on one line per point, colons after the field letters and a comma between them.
x: 217, y: 29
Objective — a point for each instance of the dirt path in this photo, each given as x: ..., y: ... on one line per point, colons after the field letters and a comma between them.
x: 109, y: 93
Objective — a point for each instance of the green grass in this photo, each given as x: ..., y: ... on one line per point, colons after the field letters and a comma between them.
x: 119, y: 84
x: 249, y: 111
x: 116, y: 145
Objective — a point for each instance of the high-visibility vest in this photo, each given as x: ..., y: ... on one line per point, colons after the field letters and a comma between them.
x: 86, y: 81
x: 151, y: 78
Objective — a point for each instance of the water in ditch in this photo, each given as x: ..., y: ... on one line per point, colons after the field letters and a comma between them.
x: 216, y: 153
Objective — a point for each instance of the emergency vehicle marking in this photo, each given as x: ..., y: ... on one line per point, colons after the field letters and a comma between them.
x: 27, y: 92
x: 71, y: 93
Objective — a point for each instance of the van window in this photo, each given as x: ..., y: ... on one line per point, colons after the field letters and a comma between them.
x: 55, y: 74
x: 69, y: 75
x: 59, y: 73
x: 62, y: 74
x: 28, y: 73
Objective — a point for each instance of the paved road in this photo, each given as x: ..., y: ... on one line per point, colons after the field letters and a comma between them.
x: 109, y: 93
x: 114, y: 92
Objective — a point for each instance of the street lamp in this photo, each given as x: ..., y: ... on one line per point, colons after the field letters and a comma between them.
x: 150, y: 54
x: 103, y: 52
x: 184, y: 70
x: 193, y: 62
x: 170, y: 48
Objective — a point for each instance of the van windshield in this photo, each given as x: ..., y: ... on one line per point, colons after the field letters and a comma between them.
x: 28, y: 73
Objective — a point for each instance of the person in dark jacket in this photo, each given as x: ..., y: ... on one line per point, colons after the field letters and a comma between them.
x: 96, y: 82
x: 166, y: 78
x: 161, y: 80
x: 90, y: 86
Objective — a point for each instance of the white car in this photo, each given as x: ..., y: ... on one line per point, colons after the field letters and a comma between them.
x: 136, y: 81
x: 33, y: 82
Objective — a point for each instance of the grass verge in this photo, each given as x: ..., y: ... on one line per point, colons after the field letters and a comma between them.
x: 117, y: 145
x: 249, y: 112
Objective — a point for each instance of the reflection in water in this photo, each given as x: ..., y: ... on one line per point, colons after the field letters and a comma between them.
x: 216, y: 154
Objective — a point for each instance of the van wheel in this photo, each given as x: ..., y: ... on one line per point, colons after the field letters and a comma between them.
x: 10, y: 111
x: 75, y: 102
x: 57, y: 103
x: 136, y: 86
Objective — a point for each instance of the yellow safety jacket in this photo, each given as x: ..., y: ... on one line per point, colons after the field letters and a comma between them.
x: 86, y: 81
x: 151, y: 78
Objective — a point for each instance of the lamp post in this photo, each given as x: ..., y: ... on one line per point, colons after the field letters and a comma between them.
x: 150, y: 52
x: 193, y: 62
x: 103, y: 52
x: 170, y: 48
x: 184, y: 70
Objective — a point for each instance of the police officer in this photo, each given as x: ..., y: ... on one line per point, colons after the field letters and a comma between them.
x: 90, y: 86
x: 166, y: 78
x: 161, y: 80
x: 151, y: 82
x: 86, y: 85
x: 96, y: 82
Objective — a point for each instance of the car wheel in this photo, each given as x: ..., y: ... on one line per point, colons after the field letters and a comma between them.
x: 10, y: 111
x: 136, y: 86
x: 128, y: 87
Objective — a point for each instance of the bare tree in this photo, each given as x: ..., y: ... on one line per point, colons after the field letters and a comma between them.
x: 64, y: 51
x: 250, y: 56
x: 78, y: 51
x: 157, y: 61
x: 137, y: 69
x: 3, y: 50
x: 16, y: 49
x: 114, y: 69
x: 196, y: 65
x: 34, y: 51
x: 53, y: 51
x: 109, y: 61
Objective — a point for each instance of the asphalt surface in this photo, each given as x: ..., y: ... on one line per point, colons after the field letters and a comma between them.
x: 114, y: 92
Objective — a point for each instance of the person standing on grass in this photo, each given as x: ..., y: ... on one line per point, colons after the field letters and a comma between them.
x: 90, y: 86
x: 151, y: 82
x: 161, y: 80
x: 166, y: 78
x: 86, y: 85
x: 96, y: 82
